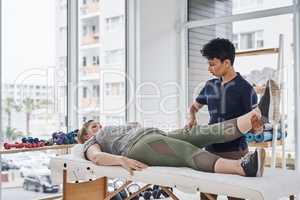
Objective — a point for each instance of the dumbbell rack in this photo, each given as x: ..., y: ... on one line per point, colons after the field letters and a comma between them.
x: 67, y: 147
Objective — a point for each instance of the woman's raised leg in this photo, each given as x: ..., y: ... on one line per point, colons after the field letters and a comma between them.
x: 203, y: 135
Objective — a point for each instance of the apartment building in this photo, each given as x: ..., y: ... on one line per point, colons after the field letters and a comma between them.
x: 101, y: 61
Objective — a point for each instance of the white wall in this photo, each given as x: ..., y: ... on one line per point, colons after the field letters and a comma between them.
x: 157, y: 64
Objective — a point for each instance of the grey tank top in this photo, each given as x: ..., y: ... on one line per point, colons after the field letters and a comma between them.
x: 119, y: 140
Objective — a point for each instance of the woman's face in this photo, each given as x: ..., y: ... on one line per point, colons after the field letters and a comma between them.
x: 94, y: 128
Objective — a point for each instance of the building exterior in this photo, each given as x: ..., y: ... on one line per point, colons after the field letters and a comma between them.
x: 101, y: 59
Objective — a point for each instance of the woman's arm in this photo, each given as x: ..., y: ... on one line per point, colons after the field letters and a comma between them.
x: 98, y: 157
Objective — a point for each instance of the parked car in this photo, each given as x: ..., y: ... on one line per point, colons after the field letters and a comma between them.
x: 10, y: 163
x: 27, y: 169
x: 17, y: 160
x: 4, y: 166
x: 40, y: 183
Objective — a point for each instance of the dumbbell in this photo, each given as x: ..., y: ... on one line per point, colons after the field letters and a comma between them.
x: 146, y: 194
x: 34, y: 145
x: 123, y: 194
x: 117, y: 197
x: 156, y: 193
x: 30, y: 140
x: 16, y: 145
x: 49, y: 142
x: 58, y: 138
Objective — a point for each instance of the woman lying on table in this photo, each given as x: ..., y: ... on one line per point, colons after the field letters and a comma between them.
x: 135, y: 148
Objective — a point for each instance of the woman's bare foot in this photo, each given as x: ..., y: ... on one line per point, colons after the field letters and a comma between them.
x: 257, y: 124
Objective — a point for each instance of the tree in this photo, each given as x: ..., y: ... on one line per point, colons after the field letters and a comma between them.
x: 29, y: 105
x: 12, y: 134
x: 9, y: 106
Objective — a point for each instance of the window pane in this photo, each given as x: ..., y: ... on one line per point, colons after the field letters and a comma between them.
x: 247, y: 41
x: 255, y: 67
x: 34, y: 50
x: 102, y: 55
x: 204, y: 9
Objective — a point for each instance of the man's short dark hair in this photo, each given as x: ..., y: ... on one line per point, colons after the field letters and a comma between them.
x: 219, y: 48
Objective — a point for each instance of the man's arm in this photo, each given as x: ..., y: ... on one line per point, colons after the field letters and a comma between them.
x: 194, y: 108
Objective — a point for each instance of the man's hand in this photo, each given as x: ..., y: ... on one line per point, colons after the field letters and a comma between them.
x: 191, y: 123
x: 192, y: 115
x: 132, y: 165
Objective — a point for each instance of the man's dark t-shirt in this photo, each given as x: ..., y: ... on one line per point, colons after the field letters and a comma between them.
x: 225, y: 102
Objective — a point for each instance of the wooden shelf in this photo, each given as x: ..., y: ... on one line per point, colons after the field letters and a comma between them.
x: 264, y: 144
x: 255, y: 52
x: 53, y: 147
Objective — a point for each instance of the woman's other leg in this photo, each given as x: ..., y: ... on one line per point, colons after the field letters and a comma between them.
x: 160, y: 150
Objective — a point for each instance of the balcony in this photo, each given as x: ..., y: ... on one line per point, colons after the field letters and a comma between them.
x: 90, y: 8
x: 90, y: 103
x: 90, y: 39
x: 90, y: 72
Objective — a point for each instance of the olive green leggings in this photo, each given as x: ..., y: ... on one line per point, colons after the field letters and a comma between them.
x: 181, y: 148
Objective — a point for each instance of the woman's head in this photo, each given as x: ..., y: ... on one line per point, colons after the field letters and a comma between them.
x: 88, y: 130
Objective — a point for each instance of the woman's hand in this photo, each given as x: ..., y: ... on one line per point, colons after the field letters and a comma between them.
x: 132, y: 165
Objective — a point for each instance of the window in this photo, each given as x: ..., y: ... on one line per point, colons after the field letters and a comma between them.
x: 114, y: 56
x: 84, y: 31
x: 35, y: 101
x: 256, y: 65
x: 235, y: 41
x: 107, y: 51
x: 83, y: 61
x: 114, y: 23
x: 249, y: 40
x: 98, y: 61
x: 259, y: 39
x: 84, y: 93
x: 94, y: 60
x: 94, y: 29
x: 114, y: 89
x: 96, y: 91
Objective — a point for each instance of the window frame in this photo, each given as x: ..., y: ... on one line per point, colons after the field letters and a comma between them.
x: 1, y: 132
x: 296, y: 79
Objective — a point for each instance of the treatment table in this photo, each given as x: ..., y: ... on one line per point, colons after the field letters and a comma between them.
x: 82, y: 179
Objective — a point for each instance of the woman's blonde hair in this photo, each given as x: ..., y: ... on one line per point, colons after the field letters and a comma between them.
x: 84, y: 131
